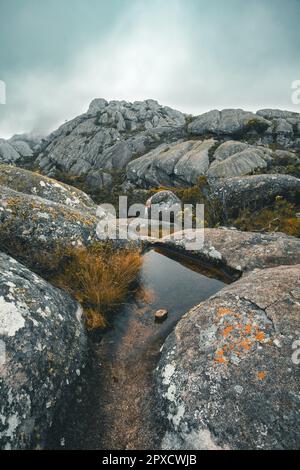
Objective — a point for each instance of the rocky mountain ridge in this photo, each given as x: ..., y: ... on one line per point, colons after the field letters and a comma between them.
x: 146, y: 144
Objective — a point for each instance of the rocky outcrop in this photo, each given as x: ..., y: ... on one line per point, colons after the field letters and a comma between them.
x: 32, y: 227
x: 179, y: 164
x: 42, y: 349
x: 239, y: 163
x: 254, y: 191
x: 8, y: 154
x: 105, y: 143
x: 228, y: 122
x: 241, y: 252
x: 229, y: 375
x: 35, y: 184
x: 284, y: 129
x: 108, y: 136
x: 19, y: 150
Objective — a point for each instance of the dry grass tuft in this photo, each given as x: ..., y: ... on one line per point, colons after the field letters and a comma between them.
x: 99, y: 278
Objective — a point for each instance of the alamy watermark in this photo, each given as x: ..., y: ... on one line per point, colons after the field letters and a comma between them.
x: 2, y: 92
x: 2, y: 353
x: 296, y: 92
x: 296, y: 353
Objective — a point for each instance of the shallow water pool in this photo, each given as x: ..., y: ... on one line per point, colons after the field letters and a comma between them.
x: 114, y: 404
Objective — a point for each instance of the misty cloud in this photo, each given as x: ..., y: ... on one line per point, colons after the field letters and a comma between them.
x: 186, y: 55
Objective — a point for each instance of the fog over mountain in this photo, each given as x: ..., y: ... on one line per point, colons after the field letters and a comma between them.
x: 56, y: 56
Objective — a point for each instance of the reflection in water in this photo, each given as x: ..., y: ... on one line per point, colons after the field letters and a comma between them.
x: 115, y: 406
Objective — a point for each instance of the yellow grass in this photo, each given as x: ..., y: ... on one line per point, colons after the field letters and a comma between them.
x: 99, y: 278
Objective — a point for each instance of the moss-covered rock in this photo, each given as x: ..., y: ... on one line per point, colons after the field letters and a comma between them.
x: 42, y: 349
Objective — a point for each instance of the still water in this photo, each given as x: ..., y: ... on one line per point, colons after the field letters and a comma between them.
x: 114, y: 404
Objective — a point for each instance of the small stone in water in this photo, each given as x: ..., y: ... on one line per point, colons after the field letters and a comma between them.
x: 161, y: 315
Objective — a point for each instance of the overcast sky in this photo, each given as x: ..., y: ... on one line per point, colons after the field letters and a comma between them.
x: 193, y: 55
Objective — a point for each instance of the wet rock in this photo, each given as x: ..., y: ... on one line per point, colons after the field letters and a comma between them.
x: 42, y: 343
x: 239, y: 251
x: 161, y: 315
x: 254, y: 191
x: 227, y: 378
x: 178, y: 164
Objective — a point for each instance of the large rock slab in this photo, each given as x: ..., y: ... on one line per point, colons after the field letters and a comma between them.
x: 178, y: 164
x: 34, y: 184
x: 254, y: 191
x: 227, y: 122
x: 241, y: 163
x: 31, y: 227
x: 229, y: 375
x: 229, y: 148
x: 43, y: 347
x: 8, y: 154
x: 239, y: 251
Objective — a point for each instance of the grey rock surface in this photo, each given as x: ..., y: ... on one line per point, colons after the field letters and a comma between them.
x: 34, y: 184
x: 227, y: 122
x: 32, y: 227
x: 241, y: 163
x: 254, y: 191
x: 8, y: 154
x: 226, y: 378
x: 163, y: 202
x: 42, y: 349
x: 179, y: 164
x: 19, y: 150
x: 108, y: 136
x: 241, y: 252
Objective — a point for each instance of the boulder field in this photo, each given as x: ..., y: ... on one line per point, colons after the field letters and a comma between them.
x: 228, y: 376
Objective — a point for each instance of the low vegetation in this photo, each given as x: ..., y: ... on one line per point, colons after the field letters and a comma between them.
x: 278, y: 217
x: 99, y: 278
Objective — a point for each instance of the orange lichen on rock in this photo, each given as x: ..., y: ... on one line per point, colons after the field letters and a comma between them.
x: 261, y: 375
x: 222, y: 311
x: 227, y: 330
x: 248, y: 329
x: 219, y: 357
x: 245, y: 344
x: 260, y: 336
